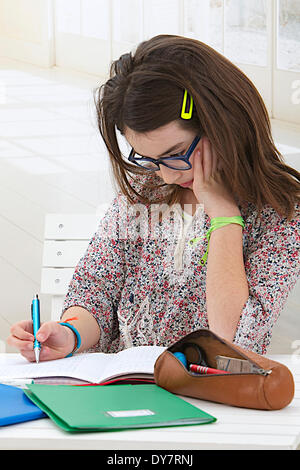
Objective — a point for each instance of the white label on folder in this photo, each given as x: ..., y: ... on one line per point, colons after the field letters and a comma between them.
x: 129, y: 413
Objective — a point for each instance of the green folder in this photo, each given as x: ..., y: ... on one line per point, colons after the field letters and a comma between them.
x: 114, y: 407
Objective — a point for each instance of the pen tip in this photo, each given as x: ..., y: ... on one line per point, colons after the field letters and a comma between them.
x: 37, y: 355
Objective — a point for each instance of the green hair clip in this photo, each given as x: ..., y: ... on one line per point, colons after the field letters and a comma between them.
x: 184, y: 114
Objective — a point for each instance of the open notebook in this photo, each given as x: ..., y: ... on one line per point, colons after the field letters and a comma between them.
x: 134, y: 364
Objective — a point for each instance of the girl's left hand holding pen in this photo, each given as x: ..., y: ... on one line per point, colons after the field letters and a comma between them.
x: 217, y: 201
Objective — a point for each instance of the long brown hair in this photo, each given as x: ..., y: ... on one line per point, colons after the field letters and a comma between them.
x: 145, y: 91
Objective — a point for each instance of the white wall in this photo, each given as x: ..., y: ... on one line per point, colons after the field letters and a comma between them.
x: 26, y: 31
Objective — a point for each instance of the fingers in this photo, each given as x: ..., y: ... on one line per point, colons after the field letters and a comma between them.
x: 198, y: 171
x: 24, y: 346
x: 46, y: 330
x: 207, y: 160
x: 46, y: 354
x: 51, y: 335
x: 23, y: 330
x: 21, y: 336
x: 20, y: 344
x: 215, y: 162
x: 211, y: 161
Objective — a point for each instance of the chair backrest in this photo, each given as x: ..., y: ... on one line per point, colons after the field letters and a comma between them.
x: 66, y: 239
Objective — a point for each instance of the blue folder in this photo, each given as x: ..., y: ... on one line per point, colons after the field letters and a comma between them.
x: 15, y: 407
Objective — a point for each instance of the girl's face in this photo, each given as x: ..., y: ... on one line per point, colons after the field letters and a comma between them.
x: 157, y: 143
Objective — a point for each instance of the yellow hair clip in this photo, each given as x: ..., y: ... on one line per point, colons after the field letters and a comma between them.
x: 186, y: 115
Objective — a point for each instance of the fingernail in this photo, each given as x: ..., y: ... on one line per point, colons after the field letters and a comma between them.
x: 40, y: 337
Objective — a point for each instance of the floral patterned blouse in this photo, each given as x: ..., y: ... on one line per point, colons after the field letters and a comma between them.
x: 141, y: 278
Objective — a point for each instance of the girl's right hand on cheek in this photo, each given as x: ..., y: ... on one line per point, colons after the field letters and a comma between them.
x: 56, y: 340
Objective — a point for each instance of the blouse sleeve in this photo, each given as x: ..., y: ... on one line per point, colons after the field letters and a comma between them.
x: 98, y: 278
x: 272, y: 268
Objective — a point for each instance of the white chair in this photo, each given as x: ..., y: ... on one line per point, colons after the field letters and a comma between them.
x: 66, y: 239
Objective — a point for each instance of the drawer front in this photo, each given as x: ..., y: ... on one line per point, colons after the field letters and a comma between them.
x: 55, y: 280
x: 63, y: 254
x: 71, y: 226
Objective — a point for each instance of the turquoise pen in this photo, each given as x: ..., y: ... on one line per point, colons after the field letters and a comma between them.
x: 35, y: 314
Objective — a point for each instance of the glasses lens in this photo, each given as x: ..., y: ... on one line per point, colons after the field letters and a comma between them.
x: 177, y: 164
x: 147, y: 165
x: 172, y: 163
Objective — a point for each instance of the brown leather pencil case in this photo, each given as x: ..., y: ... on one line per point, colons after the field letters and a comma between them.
x: 250, y: 381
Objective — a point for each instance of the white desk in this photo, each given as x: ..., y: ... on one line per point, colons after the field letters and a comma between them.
x: 235, y: 428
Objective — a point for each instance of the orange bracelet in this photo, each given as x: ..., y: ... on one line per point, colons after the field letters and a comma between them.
x: 69, y: 319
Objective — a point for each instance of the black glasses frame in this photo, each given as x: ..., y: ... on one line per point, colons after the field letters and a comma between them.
x: 161, y: 161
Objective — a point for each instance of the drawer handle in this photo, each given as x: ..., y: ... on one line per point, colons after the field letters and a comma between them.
x: 61, y: 226
x: 57, y: 281
x: 59, y: 253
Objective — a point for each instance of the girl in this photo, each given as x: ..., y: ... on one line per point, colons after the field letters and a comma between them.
x: 201, y: 171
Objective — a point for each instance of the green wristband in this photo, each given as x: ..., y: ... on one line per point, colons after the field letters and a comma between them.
x: 215, y: 223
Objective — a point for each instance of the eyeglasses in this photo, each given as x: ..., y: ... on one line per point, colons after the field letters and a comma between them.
x: 176, y: 162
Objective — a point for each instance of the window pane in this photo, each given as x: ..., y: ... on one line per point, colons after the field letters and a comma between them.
x: 204, y: 21
x: 288, y: 49
x: 127, y: 22
x: 161, y: 17
x: 246, y: 31
x: 67, y: 16
x: 95, y: 19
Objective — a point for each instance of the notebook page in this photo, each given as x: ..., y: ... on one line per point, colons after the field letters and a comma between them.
x: 131, y: 360
x: 91, y: 367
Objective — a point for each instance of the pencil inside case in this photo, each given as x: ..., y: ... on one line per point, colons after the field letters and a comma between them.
x: 232, y: 361
x: 260, y: 384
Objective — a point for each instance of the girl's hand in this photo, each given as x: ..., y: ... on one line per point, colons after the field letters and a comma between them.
x: 213, y: 195
x: 57, y: 341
